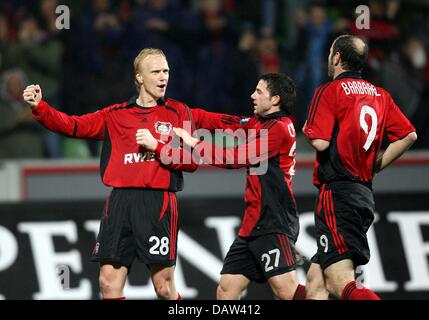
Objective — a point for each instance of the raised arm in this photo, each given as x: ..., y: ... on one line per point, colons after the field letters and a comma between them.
x: 89, y: 126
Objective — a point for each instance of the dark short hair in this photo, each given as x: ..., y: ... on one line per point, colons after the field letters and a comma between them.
x: 352, y: 58
x: 281, y: 85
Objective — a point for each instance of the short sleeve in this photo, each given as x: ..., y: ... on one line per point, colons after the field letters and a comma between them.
x: 321, y: 114
x: 397, y: 125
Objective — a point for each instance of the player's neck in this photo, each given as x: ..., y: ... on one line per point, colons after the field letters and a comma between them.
x: 146, y: 101
x: 338, y: 71
x: 272, y: 110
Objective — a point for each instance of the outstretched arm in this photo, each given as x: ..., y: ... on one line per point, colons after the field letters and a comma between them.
x: 257, y: 149
x: 86, y: 126
x: 212, y: 120
x: 171, y: 156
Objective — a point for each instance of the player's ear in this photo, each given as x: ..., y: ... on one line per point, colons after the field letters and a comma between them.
x: 139, y: 78
x: 337, y: 59
x: 275, y: 100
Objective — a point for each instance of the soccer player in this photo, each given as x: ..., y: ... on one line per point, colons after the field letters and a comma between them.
x: 140, y: 218
x: 347, y: 120
x: 264, y: 249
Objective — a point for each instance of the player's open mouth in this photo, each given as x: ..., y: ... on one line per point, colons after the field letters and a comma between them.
x: 162, y: 86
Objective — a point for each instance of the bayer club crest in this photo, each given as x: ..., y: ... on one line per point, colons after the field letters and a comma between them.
x: 163, y: 127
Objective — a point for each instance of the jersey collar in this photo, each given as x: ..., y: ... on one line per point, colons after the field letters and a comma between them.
x: 349, y: 74
x: 132, y: 101
x: 274, y: 115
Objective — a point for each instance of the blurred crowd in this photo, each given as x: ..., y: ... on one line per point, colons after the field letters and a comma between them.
x: 216, y: 49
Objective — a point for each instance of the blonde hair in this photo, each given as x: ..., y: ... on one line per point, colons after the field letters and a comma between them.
x: 140, y: 57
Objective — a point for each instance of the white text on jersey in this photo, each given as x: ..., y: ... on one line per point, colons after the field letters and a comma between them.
x: 357, y: 87
x: 138, y: 157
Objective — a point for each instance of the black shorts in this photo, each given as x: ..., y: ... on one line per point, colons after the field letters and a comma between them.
x: 343, y: 214
x: 140, y: 223
x: 260, y: 258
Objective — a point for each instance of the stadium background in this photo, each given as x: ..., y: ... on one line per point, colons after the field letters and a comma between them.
x: 50, y: 192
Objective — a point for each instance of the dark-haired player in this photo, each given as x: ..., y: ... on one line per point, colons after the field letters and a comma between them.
x: 264, y: 250
x: 346, y: 122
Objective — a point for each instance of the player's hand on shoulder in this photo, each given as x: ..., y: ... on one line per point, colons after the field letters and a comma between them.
x: 32, y: 95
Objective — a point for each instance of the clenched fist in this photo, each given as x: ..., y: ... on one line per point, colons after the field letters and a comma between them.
x: 146, y: 139
x: 32, y: 95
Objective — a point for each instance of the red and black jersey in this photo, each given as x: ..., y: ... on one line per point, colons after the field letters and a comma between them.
x: 124, y: 163
x: 353, y: 115
x: 270, y: 204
